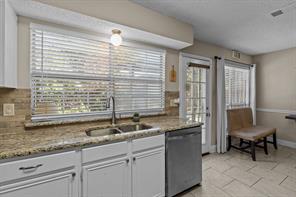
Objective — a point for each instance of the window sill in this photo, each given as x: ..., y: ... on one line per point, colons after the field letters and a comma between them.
x: 30, y: 124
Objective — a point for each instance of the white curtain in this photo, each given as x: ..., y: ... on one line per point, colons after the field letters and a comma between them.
x: 253, y: 92
x: 221, y: 113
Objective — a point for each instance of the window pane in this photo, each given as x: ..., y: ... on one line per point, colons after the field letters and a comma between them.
x: 196, y: 106
x: 67, y: 96
x: 237, y: 86
x: 195, y: 90
x: 196, y: 74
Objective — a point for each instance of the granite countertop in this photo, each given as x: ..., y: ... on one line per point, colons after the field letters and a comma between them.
x: 35, y: 141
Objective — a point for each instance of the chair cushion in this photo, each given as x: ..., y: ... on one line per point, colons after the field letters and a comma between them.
x: 253, y: 133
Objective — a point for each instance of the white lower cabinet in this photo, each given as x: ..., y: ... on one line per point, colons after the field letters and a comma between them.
x: 106, y: 171
x: 59, y: 184
x: 46, y: 176
x: 125, y: 169
x: 106, y: 179
x: 148, y: 178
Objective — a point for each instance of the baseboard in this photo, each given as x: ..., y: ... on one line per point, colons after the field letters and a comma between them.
x: 213, y: 148
x: 284, y: 142
x: 287, y: 143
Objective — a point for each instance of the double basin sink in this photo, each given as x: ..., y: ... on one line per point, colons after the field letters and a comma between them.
x: 126, y: 128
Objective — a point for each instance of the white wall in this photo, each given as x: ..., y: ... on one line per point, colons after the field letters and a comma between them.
x: 276, y: 91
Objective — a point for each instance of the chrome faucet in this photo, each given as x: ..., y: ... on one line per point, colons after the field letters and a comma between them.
x: 113, y: 109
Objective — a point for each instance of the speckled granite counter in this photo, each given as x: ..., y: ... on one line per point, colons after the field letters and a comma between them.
x: 34, y: 141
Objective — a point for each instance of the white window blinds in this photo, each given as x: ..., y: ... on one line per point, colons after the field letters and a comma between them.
x: 74, y: 75
x: 237, y: 86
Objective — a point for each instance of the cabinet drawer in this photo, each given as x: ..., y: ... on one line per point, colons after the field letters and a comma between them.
x: 104, y: 151
x: 148, y: 143
x: 35, y: 166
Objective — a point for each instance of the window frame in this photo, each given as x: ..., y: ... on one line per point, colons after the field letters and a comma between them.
x: 102, y: 38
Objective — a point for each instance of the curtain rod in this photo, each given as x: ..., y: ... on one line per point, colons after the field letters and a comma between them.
x: 239, y: 62
x: 219, y: 58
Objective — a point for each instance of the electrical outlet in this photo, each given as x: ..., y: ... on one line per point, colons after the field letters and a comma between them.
x: 8, y: 109
x: 174, y: 102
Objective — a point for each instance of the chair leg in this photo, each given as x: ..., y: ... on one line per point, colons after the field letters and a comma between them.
x: 274, y: 140
x: 265, y: 145
x: 241, y: 141
x: 253, y: 145
x: 229, y: 143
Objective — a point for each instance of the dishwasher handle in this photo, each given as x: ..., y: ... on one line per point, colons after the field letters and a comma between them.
x: 182, y: 132
x: 178, y: 137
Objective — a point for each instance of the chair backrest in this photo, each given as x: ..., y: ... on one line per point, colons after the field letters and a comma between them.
x: 239, y: 118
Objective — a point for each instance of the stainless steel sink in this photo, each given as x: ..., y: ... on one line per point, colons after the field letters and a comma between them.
x: 125, y: 128
x: 133, y: 127
x: 101, y: 132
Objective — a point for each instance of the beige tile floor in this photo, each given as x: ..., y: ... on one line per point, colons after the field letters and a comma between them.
x: 235, y: 174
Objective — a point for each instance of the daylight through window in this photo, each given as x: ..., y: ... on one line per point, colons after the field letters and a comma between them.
x: 74, y: 75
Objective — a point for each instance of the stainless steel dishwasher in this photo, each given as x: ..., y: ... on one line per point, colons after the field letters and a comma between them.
x: 183, y: 160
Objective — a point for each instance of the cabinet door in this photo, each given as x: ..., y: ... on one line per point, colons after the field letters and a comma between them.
x: 106, y: 179
x: 8, y: 45
x: 59, y: 185
x: 148, y: 173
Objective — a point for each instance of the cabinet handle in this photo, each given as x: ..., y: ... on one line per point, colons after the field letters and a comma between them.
x: 134, y: 158
x: 73, y: 174
x: 127, y: 160
x: 30, y: 167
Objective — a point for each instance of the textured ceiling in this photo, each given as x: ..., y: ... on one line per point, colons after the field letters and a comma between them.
x: 244, y: 25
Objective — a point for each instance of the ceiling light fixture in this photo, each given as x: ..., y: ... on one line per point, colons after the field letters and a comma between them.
x: 116, y: 38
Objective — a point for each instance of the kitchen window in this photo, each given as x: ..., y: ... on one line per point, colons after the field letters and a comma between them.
x: 237, y: 85
x: 73, y: 74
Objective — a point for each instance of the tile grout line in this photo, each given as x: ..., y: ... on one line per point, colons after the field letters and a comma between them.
x: 251, y: 187
x: 233, y: 179
x: 256, y: 182
x: 275, y: 166
x: 251, y: 168
x: 283, y: 180
x: 227, y: 170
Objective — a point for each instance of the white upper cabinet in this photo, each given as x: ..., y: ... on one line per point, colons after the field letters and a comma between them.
x: 8, y: 45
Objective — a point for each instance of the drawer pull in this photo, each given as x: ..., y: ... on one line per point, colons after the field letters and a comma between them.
x: 30, y: 167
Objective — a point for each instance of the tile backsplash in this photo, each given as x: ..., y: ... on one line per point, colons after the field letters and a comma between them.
x: 22, y: 104
x: 173, y: 111
x: 21, y: 100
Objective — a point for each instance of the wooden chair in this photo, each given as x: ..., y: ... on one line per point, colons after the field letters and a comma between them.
x: 240, y: 125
